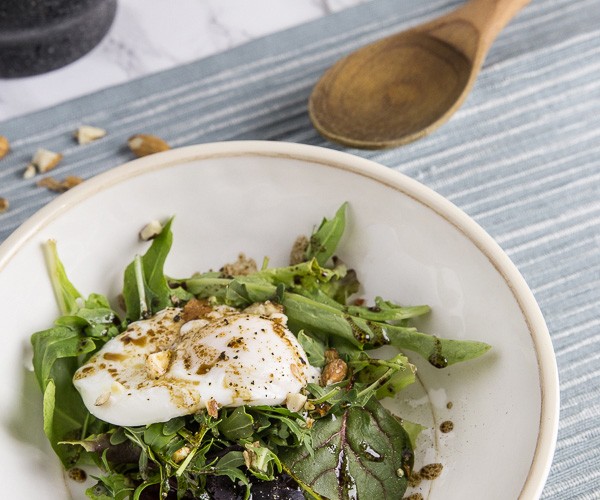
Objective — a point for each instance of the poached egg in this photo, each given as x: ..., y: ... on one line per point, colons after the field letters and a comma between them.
x: 170, y: 365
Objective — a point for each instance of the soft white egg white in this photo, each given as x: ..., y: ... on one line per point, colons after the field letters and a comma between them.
x: 165, y: 367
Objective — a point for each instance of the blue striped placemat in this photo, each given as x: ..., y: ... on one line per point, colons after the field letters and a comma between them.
x: 522, y: 157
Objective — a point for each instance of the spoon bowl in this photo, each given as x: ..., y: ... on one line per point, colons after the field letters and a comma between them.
x: 403, y: 87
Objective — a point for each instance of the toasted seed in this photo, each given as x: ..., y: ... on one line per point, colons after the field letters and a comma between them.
x: 4, y: 205
x: 431, y: 471
x: 76, y: 474
x: 446, y: 426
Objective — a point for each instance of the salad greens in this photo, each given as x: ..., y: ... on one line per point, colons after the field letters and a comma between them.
x: 341, y: 443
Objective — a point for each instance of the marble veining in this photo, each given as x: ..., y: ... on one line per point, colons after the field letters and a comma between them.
x: 153, y: 35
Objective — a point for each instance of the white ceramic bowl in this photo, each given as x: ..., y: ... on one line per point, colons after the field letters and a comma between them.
x: 407, y: 243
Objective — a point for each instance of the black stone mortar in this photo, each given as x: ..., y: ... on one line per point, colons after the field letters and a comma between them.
x: 37, y: 36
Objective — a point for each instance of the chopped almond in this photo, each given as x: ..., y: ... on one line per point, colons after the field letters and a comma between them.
x: 86, y: 134
x: 212, y: 407
x: 4, y: 146
x: 146, y: 144
x: 151, y: 230
x: 196, y: 309
x: 4, y: 204
x: 243, y: 266
x: 60, y: 186
x: 45, y: 160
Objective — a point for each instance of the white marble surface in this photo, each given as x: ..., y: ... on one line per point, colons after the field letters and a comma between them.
x: 152, y: 35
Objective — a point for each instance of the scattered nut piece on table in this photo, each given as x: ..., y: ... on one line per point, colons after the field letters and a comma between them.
x: 60, y: 186
x: 146, y: 144
x: 86, y: 134
x: 4, y: 205
x: 45, y: 160
x: 29, y: 171
x: 4, y: 146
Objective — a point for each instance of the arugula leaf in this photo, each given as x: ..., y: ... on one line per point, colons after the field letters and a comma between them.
x: 356, y: 455
x: 385, y: 377
x: 412, y: 430
x: 145, y: 286
x: 369, y: 377
x: 326, y: 320
x: 67, y: 296
x: 55, y: 354
x: 305, y: 274
x: 261, y: 461
x: 229, y: 465
x: 323, y: 319
x: 114, y: 486
x: 280, y: 426
x: 100, y: 323
x: 324, y: 241
x: 344, y: 286
x: 237, y: 425
x: 314, y: 349
x: 384, y: 310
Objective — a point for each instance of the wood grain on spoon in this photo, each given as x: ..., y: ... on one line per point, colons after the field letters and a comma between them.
x: 403, y: 87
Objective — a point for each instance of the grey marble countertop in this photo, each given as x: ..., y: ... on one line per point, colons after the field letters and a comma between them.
x: 153, y: 35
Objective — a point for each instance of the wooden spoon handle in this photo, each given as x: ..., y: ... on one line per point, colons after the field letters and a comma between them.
x: 473, y: 27
x: 491, y: 16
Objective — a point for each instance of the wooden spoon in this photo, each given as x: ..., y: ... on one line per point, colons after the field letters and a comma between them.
x: 403, y: 87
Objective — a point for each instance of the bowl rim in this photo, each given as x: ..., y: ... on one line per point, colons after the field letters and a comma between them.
x: 546, y: 360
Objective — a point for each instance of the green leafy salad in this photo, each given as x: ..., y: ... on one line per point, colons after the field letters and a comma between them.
x: 240, y: 383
